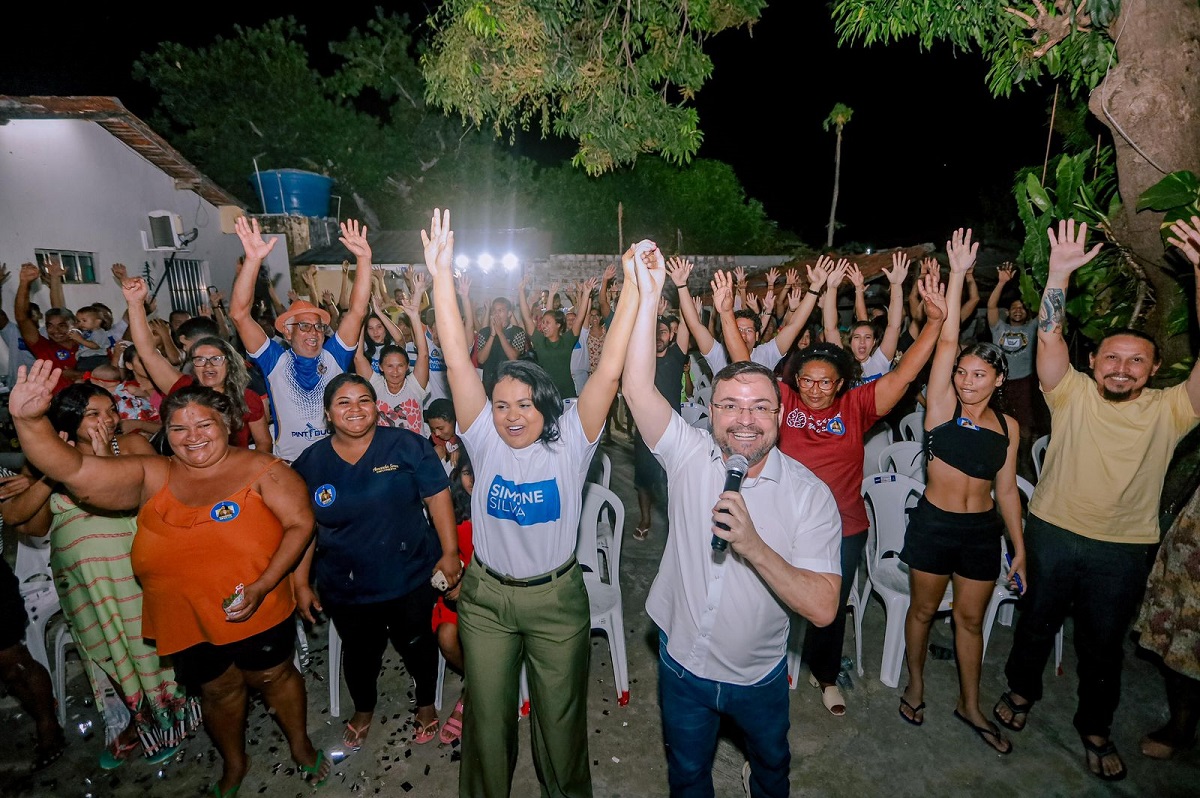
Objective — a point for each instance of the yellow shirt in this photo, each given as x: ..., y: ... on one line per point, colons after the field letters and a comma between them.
x: 1106, y: 461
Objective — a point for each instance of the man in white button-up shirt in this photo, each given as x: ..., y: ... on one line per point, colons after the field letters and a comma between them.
x: 724, y: 616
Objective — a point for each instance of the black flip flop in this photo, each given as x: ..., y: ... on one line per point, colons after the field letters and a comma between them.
x: 914, y: 720
x: 1017, y: 710
x: 1100, y: 751
x: 984, y: 733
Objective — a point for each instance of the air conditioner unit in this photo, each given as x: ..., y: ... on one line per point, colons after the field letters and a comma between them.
x: 166, y: 232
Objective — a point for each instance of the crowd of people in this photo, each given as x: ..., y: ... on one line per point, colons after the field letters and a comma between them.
x: 204, y: 480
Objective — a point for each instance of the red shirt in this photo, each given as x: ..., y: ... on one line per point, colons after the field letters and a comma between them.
x: 62, y: 357
x: 830, y: 443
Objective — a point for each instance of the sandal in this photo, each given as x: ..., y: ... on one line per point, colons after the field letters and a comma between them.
x: 113, y: 758
x: 1017, y: 712
x: 988, y: 735
x: 641, y: 532
x: 452, y: 728
x: 311, y: 772
x: 831, y: 697
x: 1097, y: 752
x: 44, y: 757
x: 230, y: 793
x: 914, y: 720
x: 354, y: 736
x: 424, y: 734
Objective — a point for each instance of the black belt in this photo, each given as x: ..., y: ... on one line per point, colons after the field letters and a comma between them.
x: 532, y: 581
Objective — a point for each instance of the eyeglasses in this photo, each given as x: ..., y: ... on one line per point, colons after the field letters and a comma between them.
x: 308, y: 326
x: 825, y: 384
x: 758, y: 411
x: 201, y: 362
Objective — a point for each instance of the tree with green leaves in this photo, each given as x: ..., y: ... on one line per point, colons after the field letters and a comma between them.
x: 612, y: 75
x: 1133, y: 59
x: 837, y: 119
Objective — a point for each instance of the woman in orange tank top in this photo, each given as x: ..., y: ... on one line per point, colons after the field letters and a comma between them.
x: 219, y: 530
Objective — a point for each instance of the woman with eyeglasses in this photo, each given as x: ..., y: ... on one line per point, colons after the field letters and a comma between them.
x: 823, y: 422
x: 210, y: 362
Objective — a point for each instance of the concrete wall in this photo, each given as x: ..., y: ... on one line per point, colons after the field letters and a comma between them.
x: 69, y: 185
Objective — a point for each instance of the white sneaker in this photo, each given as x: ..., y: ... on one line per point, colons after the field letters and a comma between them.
x: 746, y: 777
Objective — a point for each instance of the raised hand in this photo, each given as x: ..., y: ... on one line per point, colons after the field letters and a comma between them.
x: 930, y: 265
x: 680, y: 270
x: 644, y: 264
x: 610, y: 271
x: 292, y: 296
x: 30, y: 397
x: 439, y: 245
x: 818, y: 274
x: 933, y: 294
x: 837, y: 272
x: 412, y: 307
x: 739, y: 274
x: 419, y: 284
x: 1004, y: 272
x: 1184, y: 236
x: 29, y: 274
x: 794, y: 296
x: 663, y: 307
x: 769, y: 300
x: 856, y: 277
x: 899, y: 269
x: 54, y: 269
x: 772, y: 276
x: 120, y: 273
x: 752, y: 302
x: 722, y: 292
x: 792, y: 276
x: 249, y: 233
x: 464, y: 285
x: 698, y: 305
x: 1068, y: 249
x: 354, y: 238
x: 135, y: 291
x: 961, y: 251
x: 3, y: 273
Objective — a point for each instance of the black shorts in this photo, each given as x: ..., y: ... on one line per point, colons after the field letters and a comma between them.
x: 942, y: 543
x: 204, y: 662
x: 12, y: 608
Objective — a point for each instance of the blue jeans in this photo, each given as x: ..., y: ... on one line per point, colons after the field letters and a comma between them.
x: 1102, y: 584
x: 691, y: 717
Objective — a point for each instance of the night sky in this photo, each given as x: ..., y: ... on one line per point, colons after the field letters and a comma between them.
x: 928, y: 148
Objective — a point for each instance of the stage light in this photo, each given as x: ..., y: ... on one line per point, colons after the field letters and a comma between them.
x: 510, y: 262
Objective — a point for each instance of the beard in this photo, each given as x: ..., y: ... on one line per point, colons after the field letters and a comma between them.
x: 1125, y: 395
x: 729, y: 446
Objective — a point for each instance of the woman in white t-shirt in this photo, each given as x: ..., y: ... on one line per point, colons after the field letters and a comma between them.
x: 400, y: 392
x: 523, y: 600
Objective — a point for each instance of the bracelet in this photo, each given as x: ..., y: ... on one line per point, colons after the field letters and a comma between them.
x: 684, y: 285
x: 814, y: 293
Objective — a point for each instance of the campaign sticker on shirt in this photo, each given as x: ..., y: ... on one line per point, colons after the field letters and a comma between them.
x: 325, y: 495
x: 966, y: 422
x: 836, y: 426
x: 527, y: 503
x: 224, y: 511
x: 62, y: 354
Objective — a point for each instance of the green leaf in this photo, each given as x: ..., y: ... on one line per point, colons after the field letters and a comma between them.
x: 1174, y: 190
x: 1038, y: 194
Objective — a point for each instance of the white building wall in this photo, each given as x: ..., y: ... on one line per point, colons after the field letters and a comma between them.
x: 70, y: 185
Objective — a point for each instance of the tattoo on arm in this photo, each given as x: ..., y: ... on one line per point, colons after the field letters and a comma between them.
x: 1050, y: 319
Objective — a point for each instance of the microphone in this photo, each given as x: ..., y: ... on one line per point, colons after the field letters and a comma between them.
x: 735, y: 471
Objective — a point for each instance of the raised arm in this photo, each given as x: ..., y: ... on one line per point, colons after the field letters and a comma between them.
x: 412, y: 308
x: 468, y: 309
x: 891, y: 387
x: 800, y: 308
x: 972, y: 301
x: 28, y: 275
x: 651, y: 411
x: 854, y: 274
x: 895, y: 277
x: 679, y: 270
x: 1068, y: 252
x: 722, y: 286
x: 610, y: 272
x: 583, y: 296
x: 242, y: 297
x: 829, y: 311
x: 523, y: 305
x: 354, y: 238
x: 110, y: 483
x: 343, y: 300
x: 465, y: 386
x: 1185, y: 237
x: 601, y: 388
x: 940, y: 394
x: 54, y: 281
x: 161, y: 370
x: 1004, y: 274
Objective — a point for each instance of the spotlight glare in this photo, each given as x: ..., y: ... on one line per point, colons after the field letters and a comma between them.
x: 486, y: 262
x: 510, y: 262
x: 462, y: 262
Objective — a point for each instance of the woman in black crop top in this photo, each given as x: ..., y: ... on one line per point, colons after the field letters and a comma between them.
x: 955, y: 531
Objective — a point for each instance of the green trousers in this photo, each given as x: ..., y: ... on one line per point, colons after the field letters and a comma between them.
x: 547, y: 628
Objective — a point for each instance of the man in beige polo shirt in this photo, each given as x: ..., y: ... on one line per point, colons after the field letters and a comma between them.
x: 1093, y: 519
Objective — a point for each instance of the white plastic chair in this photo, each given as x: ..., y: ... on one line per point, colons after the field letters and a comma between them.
x: 876, y: 439
x: 600, y: 503
x: 904, y: 457
x: 912, y: 426
x: 522, y: 688
x: 703, y: 396
x: 888, y: 497
x: 855, y: 601
x: 32, y: 569
x: 1039, y: 454
x: 693, y: 413
x: 605, y: 467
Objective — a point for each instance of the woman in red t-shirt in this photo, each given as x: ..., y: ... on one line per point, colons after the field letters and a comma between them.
x: 822, y: 424
x: 211, y: 362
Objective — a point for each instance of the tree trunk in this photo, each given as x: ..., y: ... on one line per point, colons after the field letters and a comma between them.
x: 837, y: 174
x: 1150, y: 100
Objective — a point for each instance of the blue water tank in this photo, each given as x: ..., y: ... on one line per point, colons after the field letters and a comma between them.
x: 293, y: 191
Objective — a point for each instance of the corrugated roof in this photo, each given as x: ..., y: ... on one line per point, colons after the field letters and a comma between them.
x: 110, y: 114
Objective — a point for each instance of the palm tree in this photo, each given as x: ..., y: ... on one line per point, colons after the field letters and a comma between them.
x: 837, y: 118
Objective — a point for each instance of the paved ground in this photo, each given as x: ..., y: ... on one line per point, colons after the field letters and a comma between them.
x: 868, y: 752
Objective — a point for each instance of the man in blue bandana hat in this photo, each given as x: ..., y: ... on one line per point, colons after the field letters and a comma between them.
x: 296, y: 377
